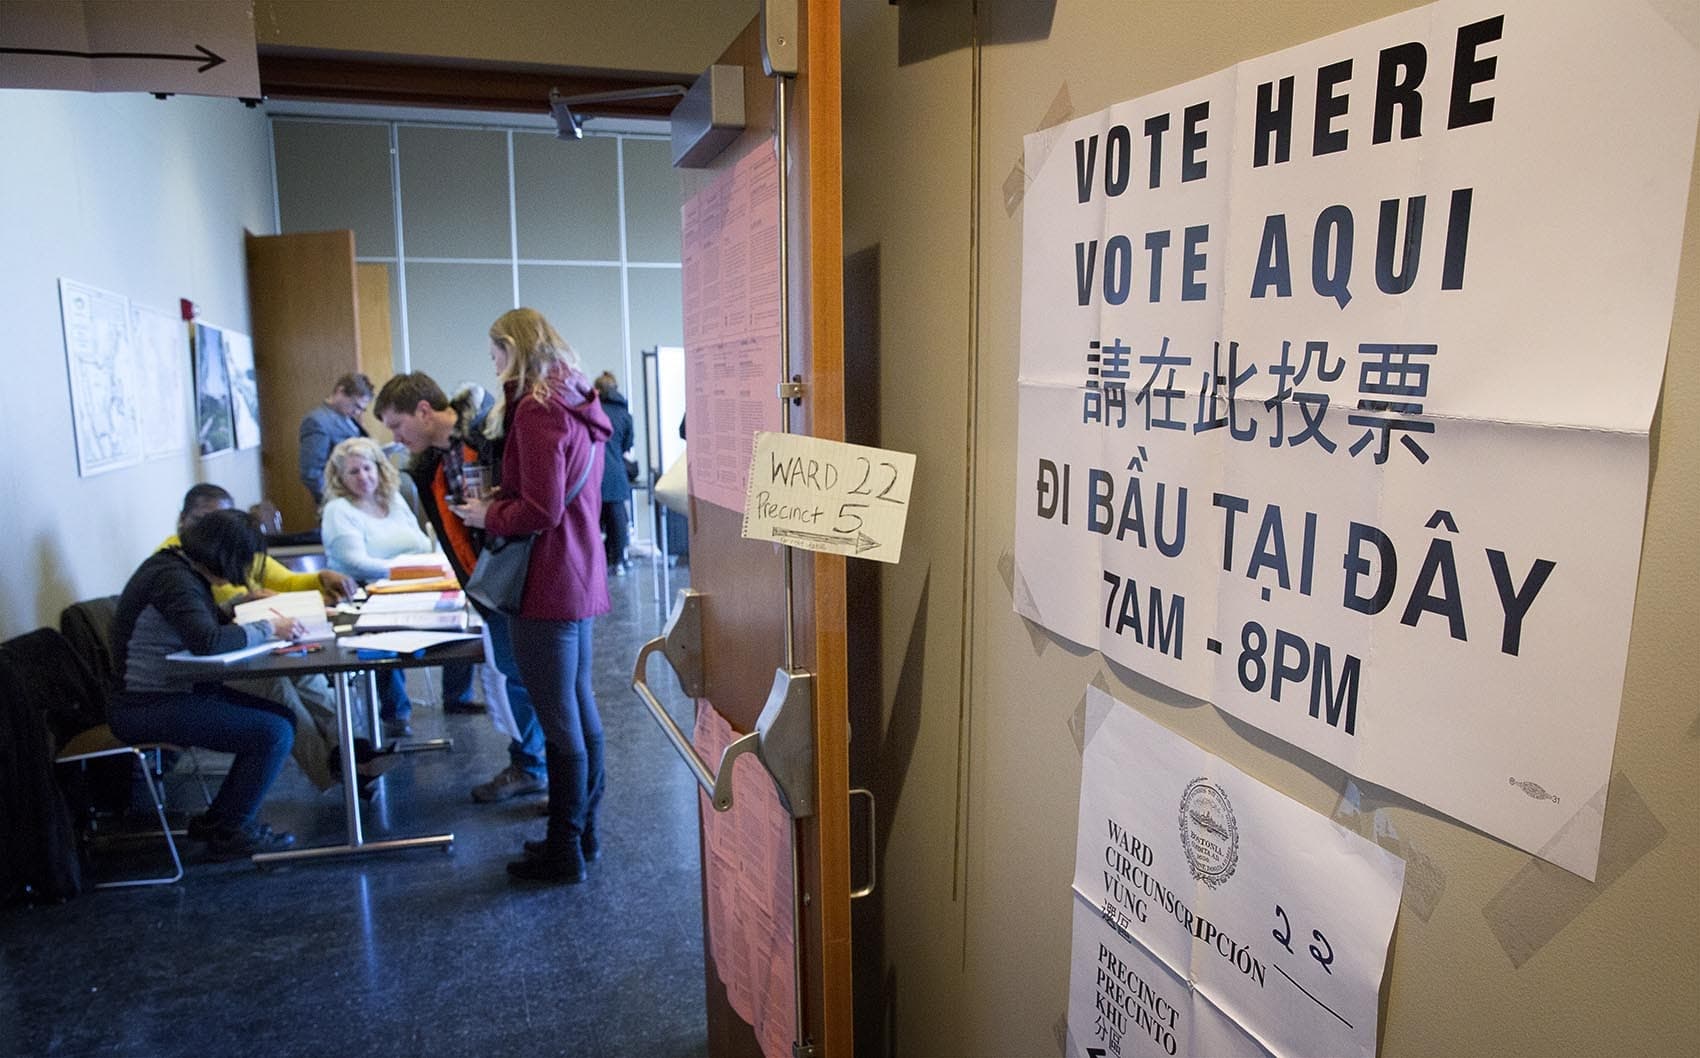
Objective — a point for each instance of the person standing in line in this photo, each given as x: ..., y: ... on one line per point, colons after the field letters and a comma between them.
x: 555, y: 431
x: 329, y: 424
x: 444, y: 437
x: 364, y: 525
x: 616, y: 484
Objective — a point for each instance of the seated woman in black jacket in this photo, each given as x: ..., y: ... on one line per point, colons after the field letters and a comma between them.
x: 168, y: 606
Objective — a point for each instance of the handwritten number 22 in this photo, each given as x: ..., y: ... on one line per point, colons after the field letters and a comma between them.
x: 861, y: 487
x: 1323, y: 956
x: 1322, y: 959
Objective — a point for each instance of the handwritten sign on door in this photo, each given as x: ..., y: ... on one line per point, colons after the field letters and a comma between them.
x: 828, y: 496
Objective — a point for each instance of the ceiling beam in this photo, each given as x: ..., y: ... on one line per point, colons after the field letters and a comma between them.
x: 287, y: 73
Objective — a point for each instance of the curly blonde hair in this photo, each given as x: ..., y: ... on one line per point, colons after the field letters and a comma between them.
x: 536, y: 351
x: 389, y: 481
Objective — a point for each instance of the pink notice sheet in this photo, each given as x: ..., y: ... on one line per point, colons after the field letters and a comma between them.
x: 747, y: 874
x: 731, y: 296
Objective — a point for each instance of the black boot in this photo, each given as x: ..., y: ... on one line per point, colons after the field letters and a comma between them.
x: 560, y: 858
x: 595, y: 783
x: 586, y: 842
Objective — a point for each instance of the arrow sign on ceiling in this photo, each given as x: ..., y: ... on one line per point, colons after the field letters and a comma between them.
x: 207, y: 58
x: 163, y: 47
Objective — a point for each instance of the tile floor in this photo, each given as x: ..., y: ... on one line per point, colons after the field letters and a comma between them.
x: 402, y: 953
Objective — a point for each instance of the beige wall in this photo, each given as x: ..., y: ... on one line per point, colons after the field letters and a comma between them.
x: 663, y: 36
x: 977, y: 955
x: 141, y: 197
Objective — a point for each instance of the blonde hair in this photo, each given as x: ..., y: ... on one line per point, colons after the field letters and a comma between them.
x: 389, y: 481
x: 536, y: 352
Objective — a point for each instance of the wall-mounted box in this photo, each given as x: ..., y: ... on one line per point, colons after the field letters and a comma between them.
x: 709, y: 117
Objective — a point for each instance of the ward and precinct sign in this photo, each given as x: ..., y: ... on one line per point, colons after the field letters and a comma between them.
x: 1214, y: 915
x: 820, y: 495
x: 1337, y: 370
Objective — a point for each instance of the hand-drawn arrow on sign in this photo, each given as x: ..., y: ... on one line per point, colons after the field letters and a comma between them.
x: 862, y: 541
x: 207, y: 57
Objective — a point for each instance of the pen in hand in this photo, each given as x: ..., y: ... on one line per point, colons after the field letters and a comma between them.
x: 287, y: 627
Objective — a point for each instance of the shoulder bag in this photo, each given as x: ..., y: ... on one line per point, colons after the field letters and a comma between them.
x: 498, y: 580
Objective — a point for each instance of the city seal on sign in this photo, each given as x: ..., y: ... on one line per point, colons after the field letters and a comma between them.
x: 1209, y: 836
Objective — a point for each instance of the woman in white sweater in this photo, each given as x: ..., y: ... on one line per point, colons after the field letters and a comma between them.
x: 364, y: 525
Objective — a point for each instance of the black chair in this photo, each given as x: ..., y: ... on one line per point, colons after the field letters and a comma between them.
x: 47, y: 675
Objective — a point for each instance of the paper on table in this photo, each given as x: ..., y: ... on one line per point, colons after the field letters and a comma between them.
x: 402, y: 642
x: 229, y: 655
x: 430, y: 620
x: 421, y: 558
x: 308, y: 607
x: 413, y: 601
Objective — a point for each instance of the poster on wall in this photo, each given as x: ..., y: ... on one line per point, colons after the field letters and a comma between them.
x: 161, y: 343
x: 244, y: 388
x: 215, y: 424
x: 1214, y: 915
x: 730, y: 282
x: 1337, y: 370
x: 746, y: 853
x: 102, y: 374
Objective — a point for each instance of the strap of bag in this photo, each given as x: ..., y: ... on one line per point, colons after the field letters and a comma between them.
x: 572, y: 494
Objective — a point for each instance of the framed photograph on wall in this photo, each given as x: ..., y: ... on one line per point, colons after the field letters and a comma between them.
x: 215, y: 425
x: 244, y: 390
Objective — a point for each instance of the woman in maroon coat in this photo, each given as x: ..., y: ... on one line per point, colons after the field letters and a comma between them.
x: 551, y: 487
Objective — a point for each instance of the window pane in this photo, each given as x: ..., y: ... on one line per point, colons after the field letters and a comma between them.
x: 454, y: 192
x: 332, y: 176
x: 449, y: 311
x: 652, y: 202
x: 566, y: 198
x: 583, y: 304
x: 657, y: 308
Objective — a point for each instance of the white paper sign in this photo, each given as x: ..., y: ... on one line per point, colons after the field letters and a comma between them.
x: 828, y: 496
x: 1337, y: 369
x: 102, y: 370
x: 1235, y: 906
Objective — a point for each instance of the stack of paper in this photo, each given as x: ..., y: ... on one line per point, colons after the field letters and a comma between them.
x: 441, y: 602
x: 431, y: 620
x: 402, y: 642
x: 308, y: 607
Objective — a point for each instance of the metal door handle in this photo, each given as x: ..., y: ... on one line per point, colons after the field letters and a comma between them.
x: 717, y: 784
x: 873, y: 845
x: 784, y: 736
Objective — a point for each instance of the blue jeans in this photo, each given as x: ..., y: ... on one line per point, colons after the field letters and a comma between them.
x: 260, y: 734
x: 555, y: 657
x: 457, y: 682
x: 525, y: 752
x: 393, y: 702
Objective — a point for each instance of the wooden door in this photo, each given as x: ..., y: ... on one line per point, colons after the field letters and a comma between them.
x: 377, y: 350
x: 304, y: 309
x: 743, y: 583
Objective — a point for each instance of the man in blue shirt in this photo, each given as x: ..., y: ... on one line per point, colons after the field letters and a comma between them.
x: 337, y: 419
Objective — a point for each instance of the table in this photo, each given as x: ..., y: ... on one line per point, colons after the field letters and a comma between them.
x: 342, y: 664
